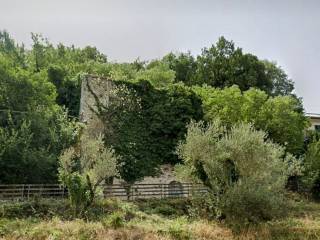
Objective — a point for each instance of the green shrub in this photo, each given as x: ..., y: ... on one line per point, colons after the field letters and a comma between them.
x: 202, y: 206
x: 311, y: 178
x: 165, y: 210
x: 41, y: 208
x: 166, y: 207
x: 249, y: 202
x: 178, y: 230
x: 50, y: 208
x: 245, y: 173
x: 118, y: 212
x: 114, y: 220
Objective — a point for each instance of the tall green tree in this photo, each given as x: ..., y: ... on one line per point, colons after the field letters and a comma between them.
x: 223, y: 65
x: 282, y: 85
x: 33, y: 128
x: 282, y: 117
x: 63, y: 66
x: 158, y: 74
x: 184, y: 65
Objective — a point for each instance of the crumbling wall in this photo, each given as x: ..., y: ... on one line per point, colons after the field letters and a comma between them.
x: 95, y: 91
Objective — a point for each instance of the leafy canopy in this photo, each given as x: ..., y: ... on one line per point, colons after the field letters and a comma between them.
x: 40, y: 90
x: 224, y: 65
x: 33, y: 128
x: 282, y: 117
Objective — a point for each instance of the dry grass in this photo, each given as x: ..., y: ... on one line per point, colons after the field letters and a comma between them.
x: 74, y: 230
x: 303, y: 223
x: 78, y: 229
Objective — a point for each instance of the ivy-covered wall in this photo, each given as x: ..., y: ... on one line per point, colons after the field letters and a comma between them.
x: 142, y: 123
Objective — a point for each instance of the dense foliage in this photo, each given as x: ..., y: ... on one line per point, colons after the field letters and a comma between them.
x: 29, y: 148
x: 144, y: 125
x: 33, y: 129
x: 311, y: 178
x: 282, y: 117
x: 39, y: 89
x: 223, y: 65
x: 246, y: 173
x: 248, y: 144
x: 40, y: 96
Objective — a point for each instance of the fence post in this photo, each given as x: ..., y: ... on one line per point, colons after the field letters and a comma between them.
x: 28, y: 192
x: 161, y: 196
x: 22, y: 190
x: 133, y: 192
x: 164, y: 190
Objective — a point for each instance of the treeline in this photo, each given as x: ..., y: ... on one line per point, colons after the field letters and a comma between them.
x: 40, y: 95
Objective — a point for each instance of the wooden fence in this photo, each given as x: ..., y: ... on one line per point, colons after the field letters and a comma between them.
x: 137, y: 191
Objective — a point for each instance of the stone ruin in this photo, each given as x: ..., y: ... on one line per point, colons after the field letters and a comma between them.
x: 93, y: 87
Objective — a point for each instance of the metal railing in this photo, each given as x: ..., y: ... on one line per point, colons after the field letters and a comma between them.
x: 136, y: 191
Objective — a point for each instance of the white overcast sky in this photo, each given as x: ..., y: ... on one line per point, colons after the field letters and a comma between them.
x: 285, y: 31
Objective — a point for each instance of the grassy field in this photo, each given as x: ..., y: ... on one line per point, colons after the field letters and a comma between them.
x: 152, y: 219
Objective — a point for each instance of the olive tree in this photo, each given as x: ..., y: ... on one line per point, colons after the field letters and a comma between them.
x: 83, y: 168
x: 244, y: 172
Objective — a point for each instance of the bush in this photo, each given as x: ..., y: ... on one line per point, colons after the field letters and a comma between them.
x: 42, y: 208
x: 202, y: 206
x: 49, y: 208
x: 248, y: 203
x: 245, y: 173
x: 114, y: 220
x: 311, y: 178
x: 83, y: 168
x: 165, y: 207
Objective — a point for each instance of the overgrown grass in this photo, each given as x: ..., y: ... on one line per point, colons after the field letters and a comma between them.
x: 146, y: 219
